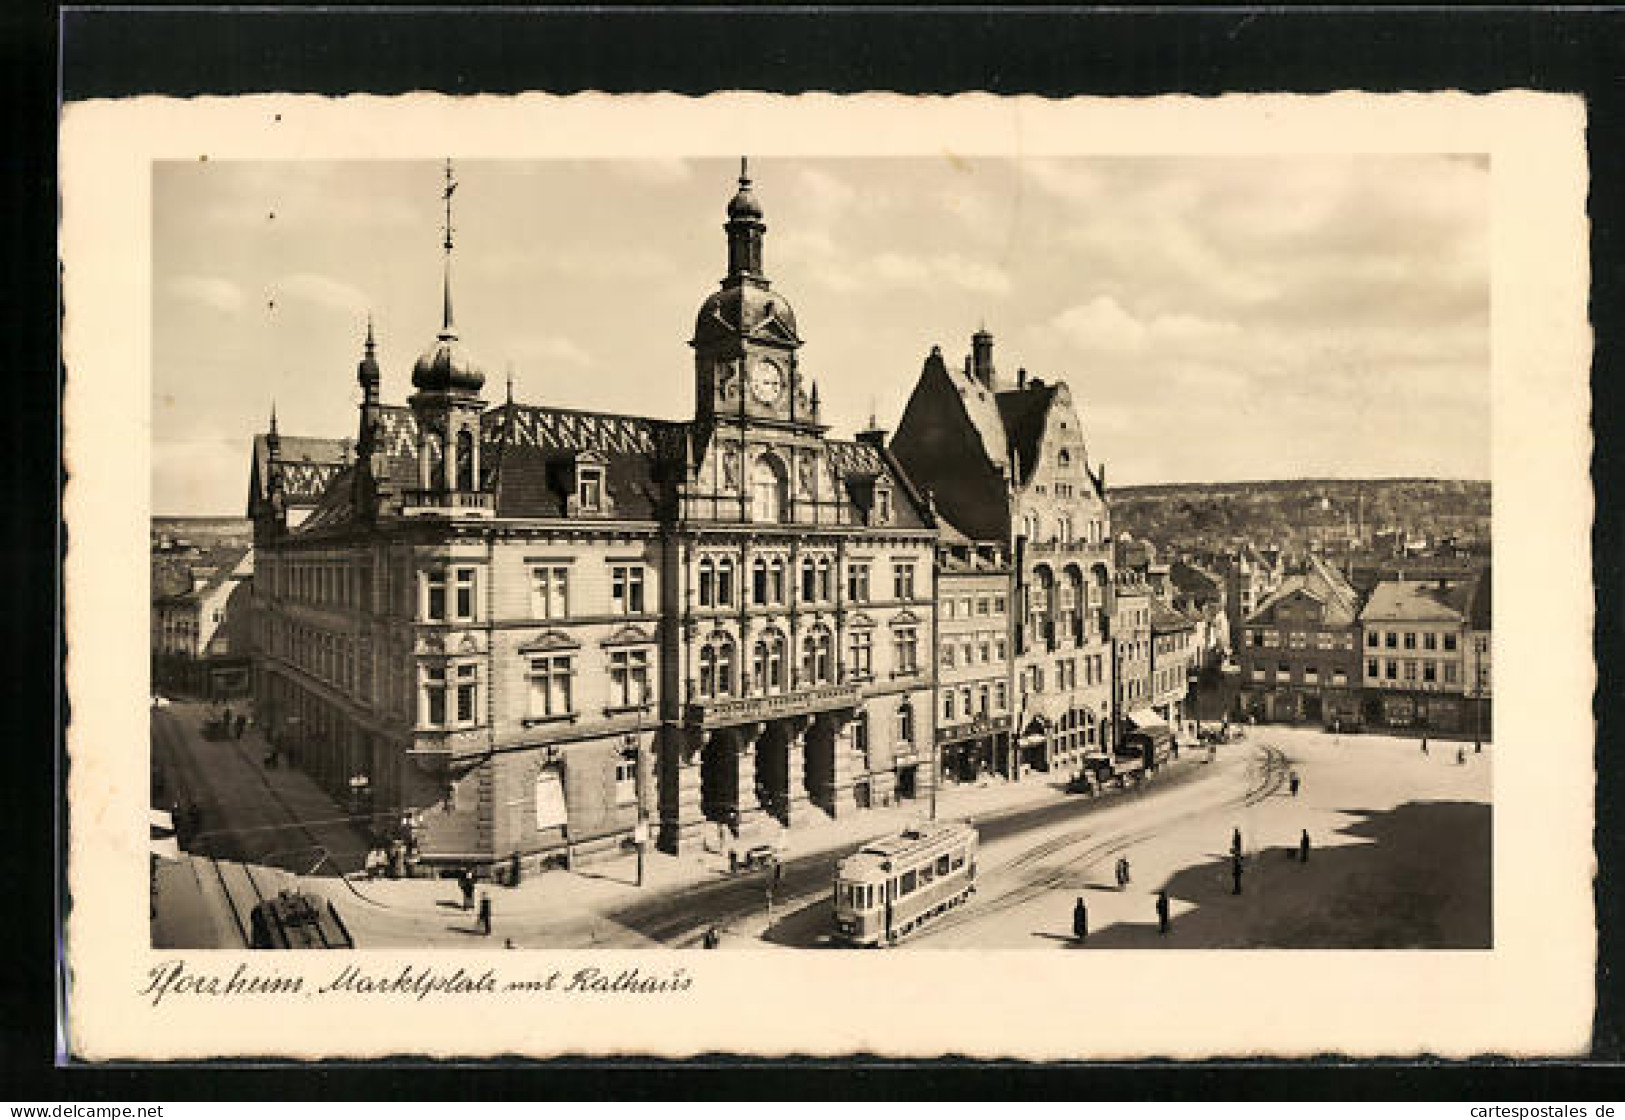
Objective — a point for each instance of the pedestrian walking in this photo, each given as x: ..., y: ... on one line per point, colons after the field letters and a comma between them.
x: 1162, y: 913
x: 1080, y: 920
x: 1293, y: 783
x: 242, y: 722
x: 733, y: 860
x: 1478, y: 746
x: 1126, y: 877
x: 1424, y: 744
x: 1235, y: 843
x: 1303, y: 846
x: 465, y: 880
x: 1235, y: 874
x: 485, y: 914
x: 1461, y: 756
x: 712, y: 938
x: 778, y: 874
x: 514, y: 871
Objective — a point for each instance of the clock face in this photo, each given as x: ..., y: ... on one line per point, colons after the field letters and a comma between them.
x: 766, y: 381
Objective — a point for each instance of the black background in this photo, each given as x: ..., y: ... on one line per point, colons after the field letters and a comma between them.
x: 1052, y: 52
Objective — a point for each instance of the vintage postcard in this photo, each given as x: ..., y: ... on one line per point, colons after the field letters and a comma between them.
x: 828, y: 576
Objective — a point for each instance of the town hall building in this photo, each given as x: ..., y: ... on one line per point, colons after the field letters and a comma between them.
x: 512, y: 629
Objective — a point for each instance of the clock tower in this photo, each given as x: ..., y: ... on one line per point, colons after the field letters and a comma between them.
x: 745, y: 340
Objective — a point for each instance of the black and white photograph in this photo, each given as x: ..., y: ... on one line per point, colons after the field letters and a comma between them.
x: 918, y: 560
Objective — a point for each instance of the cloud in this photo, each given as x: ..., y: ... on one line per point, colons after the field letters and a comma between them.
x: 211, y: 291
x: 656, y: 172
x: 549, y: 350
x: 819, y: 260
x: 323, y: 291
x: 823, y: 192
x: 1103, y: 324
x: 596, y: 262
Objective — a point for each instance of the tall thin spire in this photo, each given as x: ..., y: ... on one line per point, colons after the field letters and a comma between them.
x: 510, y: 382
x: 273, y: 416
x: 448, y: 328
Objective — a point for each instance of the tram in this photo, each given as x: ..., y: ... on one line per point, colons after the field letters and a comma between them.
x: 892, y: 887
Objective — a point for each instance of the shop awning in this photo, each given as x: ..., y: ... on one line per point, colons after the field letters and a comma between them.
x: 1146, y: 719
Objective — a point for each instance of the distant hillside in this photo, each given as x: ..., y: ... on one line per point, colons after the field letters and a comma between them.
x: 1293, y: 511
x: 203, y: 532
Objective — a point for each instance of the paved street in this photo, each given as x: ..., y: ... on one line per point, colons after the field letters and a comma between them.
x: 1399, y: 857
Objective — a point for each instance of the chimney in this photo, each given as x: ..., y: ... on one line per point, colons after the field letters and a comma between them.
x: 982, y: 357
x: 1021, y: 378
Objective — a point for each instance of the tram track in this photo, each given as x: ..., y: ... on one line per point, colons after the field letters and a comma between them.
x: 1265, y: 778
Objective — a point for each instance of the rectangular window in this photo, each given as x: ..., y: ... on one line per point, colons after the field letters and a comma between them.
x: 1450, y: 672
x: 464, y: 578
x: 434, y: 696
x: 550, y: 685
x: 1371, y: 668
x: 1450, y: 643
x: 1371, y: 641
x: 982, y: 605
x: 947, y: 608
x: 629, y: 678
x: 626, y: 589
x: 1410, y: 670
x: 984, y: 650
x: 905, y: 649
x: 1430, y: 672
x: 1298, y: 641
x: 1410, y: 639
x: 1430, y: 640
x: 998, y: 604
x: 857, y: 582
x: 999, y: 650
x: 1001, y: 697
x: 908, y: 883
x: 1390, y: 639
x: 1324, y: 641
x: 1391, y: 669
x: 947, y: 705
x: 434, y: 599
x: 947, y: 657
x: 902, y: 581
x: 984, y: 700
x: 860, y: 653
x: 626, y: 778
x: 468, y: 683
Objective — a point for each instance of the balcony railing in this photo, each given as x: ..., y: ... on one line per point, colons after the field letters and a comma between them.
x: 1066, y: 548
x: 454, y: 500
x: 722, y: 711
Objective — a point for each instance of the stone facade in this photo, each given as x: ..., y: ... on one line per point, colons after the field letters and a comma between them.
x: 974, y: 675
x: 1007, y: 468
x: 530, y: 631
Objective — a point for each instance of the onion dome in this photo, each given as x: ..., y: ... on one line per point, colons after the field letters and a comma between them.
x: 447, y: 365
x: 744, y: 207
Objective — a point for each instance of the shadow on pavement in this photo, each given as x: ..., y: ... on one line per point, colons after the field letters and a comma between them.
x: 1421, y: 880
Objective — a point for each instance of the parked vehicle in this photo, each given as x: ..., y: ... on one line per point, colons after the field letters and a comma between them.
x: 892, y: 887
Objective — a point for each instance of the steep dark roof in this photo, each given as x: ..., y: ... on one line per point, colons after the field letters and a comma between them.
x: 1025, y: 413
x: 302, y: 467
x: 1165, y: 619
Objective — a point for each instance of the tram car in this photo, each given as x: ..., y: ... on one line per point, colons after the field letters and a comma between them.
x: 892, y: 887
x: 293, y: 920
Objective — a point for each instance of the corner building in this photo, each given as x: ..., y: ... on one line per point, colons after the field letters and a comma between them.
x: 1009, y: 477
x: 531, y: 630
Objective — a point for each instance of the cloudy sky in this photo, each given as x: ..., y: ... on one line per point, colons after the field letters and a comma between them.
x: 1217, y: 319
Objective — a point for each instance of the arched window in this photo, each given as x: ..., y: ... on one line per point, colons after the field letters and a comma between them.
x: 717, y: 666
x: 767, y: 665
x: 809, y: 580
x: 1064, y: 459
x: 465, y: 460
x: 767, y: 489
x: 434, y: 448
x: 775, y: 572
x: 905, y: 722
x: 725, y: 582
x: 826, y: 576
x: 708, y: 582
x: 758, y: 581
x: 818, y: 657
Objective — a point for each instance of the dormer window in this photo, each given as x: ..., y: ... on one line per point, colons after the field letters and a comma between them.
x: 590, y: 489
x: 588, y: 494
x: 882, y: 505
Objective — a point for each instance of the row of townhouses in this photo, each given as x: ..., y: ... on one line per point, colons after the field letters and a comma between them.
x: 1415, y: 655
x: 525, y: 629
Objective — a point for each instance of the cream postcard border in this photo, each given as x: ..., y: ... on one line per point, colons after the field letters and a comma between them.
x: 1532, y: 994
